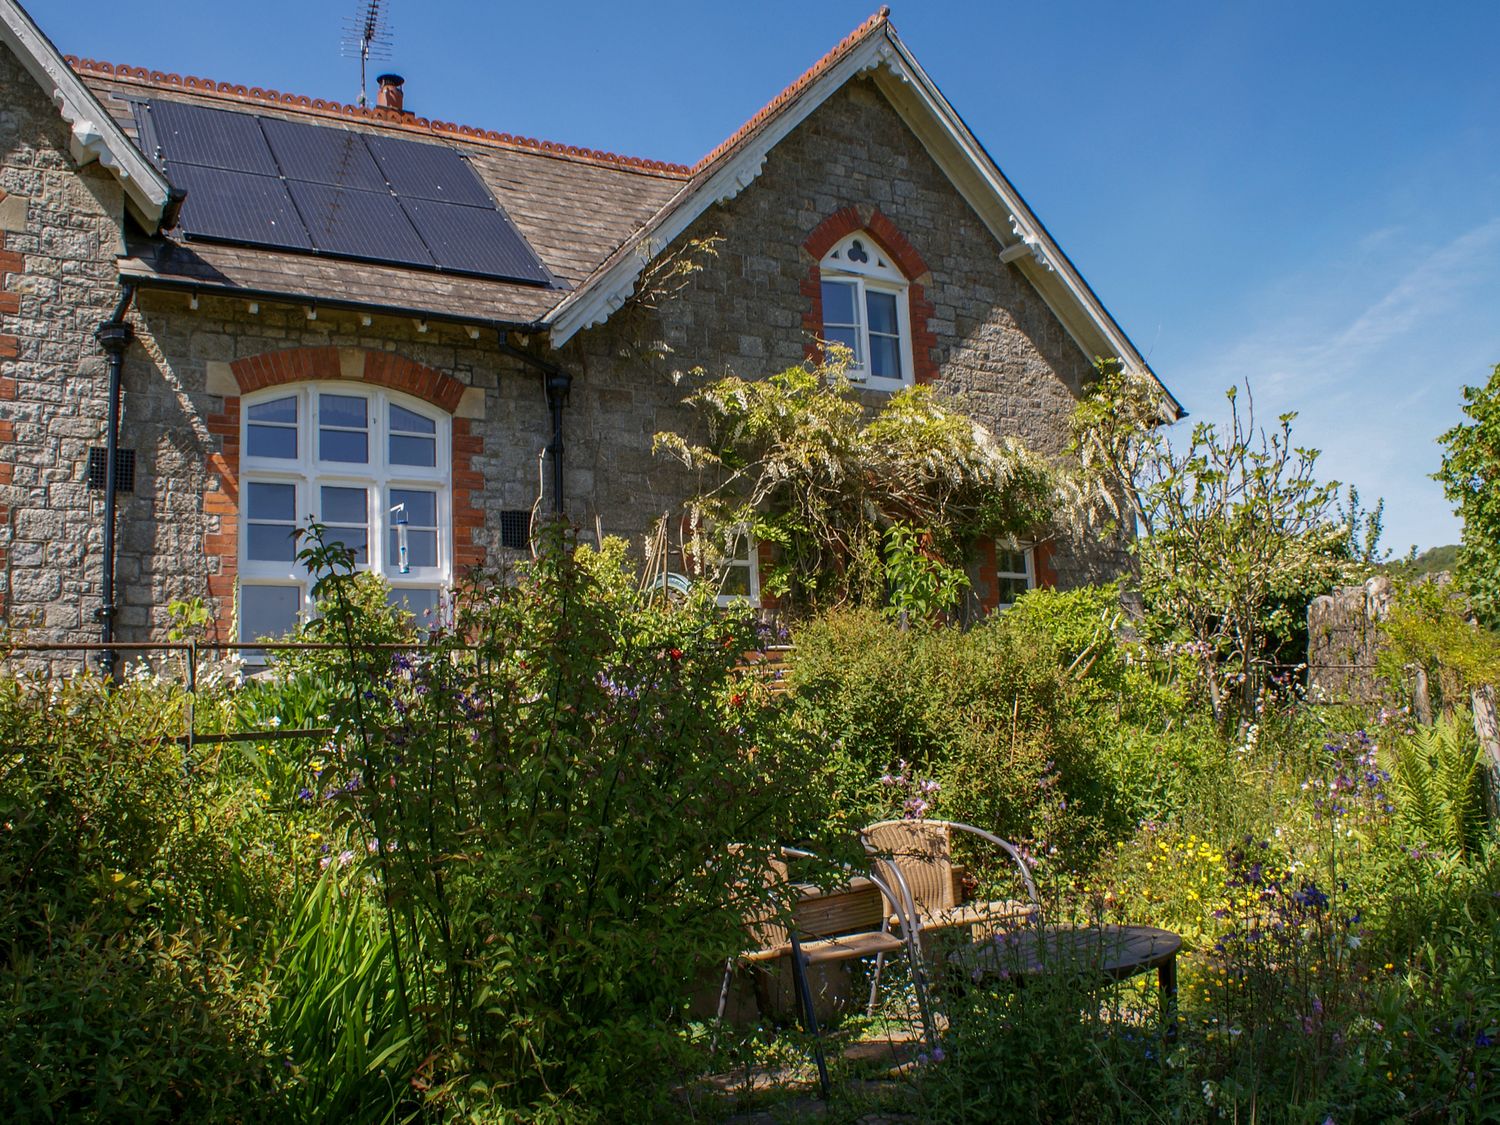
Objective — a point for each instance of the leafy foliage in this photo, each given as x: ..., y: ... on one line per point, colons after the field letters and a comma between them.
x: 545, y: 796
x: 1235, y: 532
x: 795, y: 457
x: 1470, y: 476
x: 1431, y: 626
x: 128, y: 988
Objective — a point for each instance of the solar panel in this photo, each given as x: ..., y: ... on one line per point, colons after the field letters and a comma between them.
x: 235, y: 207
x: 327, y: 189
x: 359, y: 224
x: 475, y: 240
x: 428, y: 171
x: 211, y: 138
x: 323, y: 155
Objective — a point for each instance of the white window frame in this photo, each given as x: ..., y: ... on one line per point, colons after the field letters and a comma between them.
x: 377, y: 477
x: 749, y: 561
x: 875, y: 274
x: 1027, y: 551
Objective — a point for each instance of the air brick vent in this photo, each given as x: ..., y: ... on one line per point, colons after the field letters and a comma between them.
x: 124, y: 469
x: 515, y: 529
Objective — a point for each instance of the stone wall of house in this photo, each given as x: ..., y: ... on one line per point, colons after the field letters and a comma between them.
x: 61, y: 230
x: 992, y: 340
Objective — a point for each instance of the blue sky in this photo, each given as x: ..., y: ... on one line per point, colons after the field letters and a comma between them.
x: 1305, y: 195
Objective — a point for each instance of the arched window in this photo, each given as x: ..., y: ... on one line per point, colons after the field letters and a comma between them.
x: 371, y: 465
x: 865, y: 308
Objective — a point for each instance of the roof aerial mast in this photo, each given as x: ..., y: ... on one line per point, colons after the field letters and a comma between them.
x: 368, y: 35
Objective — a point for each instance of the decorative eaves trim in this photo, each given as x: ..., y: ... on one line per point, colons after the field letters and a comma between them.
x: 95, y: 135
x: 613, y: 284
x: 1027, y: 242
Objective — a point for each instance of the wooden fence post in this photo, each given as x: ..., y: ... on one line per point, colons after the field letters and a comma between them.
x: 1488, y: 730
x: 1421, y: 700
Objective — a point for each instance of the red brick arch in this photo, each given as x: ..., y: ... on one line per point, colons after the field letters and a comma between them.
x: 300, y: 365
x: 385, y: 369
x: 874, y: 222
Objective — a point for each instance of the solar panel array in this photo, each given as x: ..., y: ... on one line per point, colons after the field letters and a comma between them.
x: 323, y: 189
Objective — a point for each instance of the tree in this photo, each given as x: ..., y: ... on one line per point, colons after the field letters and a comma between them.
x: 1233, y: 535
x: 1471, y: 479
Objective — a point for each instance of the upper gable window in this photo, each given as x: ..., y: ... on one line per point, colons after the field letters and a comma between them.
x: 865, y: 308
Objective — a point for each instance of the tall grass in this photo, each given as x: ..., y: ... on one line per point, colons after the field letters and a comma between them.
x: 338, y: 1011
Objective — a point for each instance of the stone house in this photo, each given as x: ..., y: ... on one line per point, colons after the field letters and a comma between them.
x: 271, y: 306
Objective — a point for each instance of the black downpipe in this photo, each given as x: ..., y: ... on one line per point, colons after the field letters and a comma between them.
x: 558, y: 383
x: 114, y: 336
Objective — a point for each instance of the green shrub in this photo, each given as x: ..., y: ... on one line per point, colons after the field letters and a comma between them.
x: 130, y: 983
x: 1007, y: 717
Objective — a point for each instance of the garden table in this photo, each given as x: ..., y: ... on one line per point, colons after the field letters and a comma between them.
x: 1112, y: 952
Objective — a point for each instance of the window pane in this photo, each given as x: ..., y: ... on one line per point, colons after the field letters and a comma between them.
x: 421, y: 548
x: 421, y: 507
x: 272, y: 441
x: 413, y: 450
x: 838, y: 303
x: 344, y: 505
x: 421, y: 603
x: 882, y: 308
x: 343, y: 445
x: 357, y: 539
x: 271, y: 502
x: 268, y: 611
x: 1011, y: 589
x: 885, y: 357
x: 1010, y: 562
x: 270, y: 542
x: 849, y: 337
x: 277, y: 410
x: 736, y: 583
x: 342, y: 410
x: 410, y: 422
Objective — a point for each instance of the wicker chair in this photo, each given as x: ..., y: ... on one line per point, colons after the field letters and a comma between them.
x: 774, y: 939
x: 918, y: 855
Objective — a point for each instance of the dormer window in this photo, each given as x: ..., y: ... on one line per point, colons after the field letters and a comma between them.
x: 865, y: 308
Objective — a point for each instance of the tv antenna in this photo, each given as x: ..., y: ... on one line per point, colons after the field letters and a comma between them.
x: 368, y: 35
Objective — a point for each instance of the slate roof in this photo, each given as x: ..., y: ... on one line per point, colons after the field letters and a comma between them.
x: 574, y: 206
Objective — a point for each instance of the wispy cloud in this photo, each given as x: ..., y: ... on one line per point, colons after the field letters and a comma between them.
x: 1313, y: 349
x: 1373, y: 378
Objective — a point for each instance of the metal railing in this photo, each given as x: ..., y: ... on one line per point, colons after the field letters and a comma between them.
x: 769, y: 664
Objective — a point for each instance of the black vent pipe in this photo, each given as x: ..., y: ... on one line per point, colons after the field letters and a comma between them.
x: 114, y: 336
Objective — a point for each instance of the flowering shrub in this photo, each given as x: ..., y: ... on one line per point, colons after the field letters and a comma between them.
x: 913, y: 797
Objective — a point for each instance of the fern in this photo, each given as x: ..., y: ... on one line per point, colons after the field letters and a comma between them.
x: 1437, y: 783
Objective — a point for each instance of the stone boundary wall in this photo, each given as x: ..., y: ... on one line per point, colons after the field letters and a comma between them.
x: 1343, y: 639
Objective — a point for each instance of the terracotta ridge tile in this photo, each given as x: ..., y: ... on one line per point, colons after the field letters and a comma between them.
x: 301, y: 102
x: 808, y: 77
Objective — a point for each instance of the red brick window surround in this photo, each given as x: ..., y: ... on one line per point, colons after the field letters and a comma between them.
x: 887, y: 237
x: 303, y: 443
x: 12, y: 264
